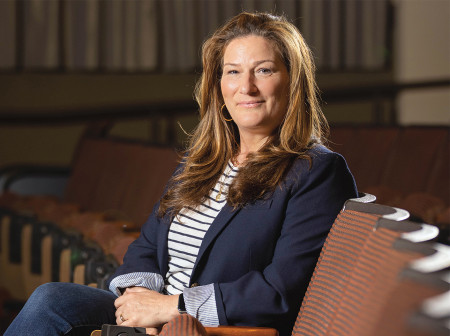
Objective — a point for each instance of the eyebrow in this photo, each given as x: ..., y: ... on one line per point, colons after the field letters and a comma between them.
x: 256, y: 63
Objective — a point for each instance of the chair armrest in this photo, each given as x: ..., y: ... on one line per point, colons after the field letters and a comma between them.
x: 228, y: 331
x: 240, y: 331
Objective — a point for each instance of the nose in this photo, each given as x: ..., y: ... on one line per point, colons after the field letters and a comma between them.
x: 247, y: 84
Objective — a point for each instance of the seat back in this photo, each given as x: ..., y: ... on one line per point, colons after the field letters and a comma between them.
x: 392, y: 162
x: 375, y: 273
x: 348, y: 235
x: 120, y: 176
x: 418, y: 301
x: 413, y: 157
x: 357, y: 142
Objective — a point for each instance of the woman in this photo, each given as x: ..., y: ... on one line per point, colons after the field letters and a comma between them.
x: 236, y: 235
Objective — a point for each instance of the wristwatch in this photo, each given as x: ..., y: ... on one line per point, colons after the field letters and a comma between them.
x: 181, y: 305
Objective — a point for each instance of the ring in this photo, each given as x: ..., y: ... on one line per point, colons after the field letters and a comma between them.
x: 121, y: 318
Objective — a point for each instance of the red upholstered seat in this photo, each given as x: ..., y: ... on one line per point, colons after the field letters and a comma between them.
x: 376, y: 272
x: 337, y: 261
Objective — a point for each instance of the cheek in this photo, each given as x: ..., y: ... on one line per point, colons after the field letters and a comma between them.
x: 281, y: 93
x: 227, y: 87
x: 223, y: 88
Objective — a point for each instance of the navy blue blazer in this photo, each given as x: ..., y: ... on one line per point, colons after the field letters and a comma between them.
x: 260, y: 258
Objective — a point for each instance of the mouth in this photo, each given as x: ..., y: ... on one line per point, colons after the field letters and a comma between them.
x: 250, y: 104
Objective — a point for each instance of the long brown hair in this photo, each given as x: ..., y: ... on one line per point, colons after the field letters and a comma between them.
x: 215, y: 141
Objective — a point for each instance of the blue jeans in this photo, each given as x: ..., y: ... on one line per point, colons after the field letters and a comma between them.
x: 64, y: 309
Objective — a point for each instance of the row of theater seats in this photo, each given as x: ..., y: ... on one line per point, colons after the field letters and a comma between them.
x: 407, y: 167
x: 34, y: 251
x: 83, y: 237
x: 378, y: 274
x: 111, y: 190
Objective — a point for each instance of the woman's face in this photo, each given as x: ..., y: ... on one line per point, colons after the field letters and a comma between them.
x: 255, y: 85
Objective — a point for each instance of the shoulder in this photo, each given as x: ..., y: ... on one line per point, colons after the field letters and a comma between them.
x: 319, y: 158
x: 323, y: 164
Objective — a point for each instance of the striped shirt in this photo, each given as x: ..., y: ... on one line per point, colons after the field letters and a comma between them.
x: 188, y: 229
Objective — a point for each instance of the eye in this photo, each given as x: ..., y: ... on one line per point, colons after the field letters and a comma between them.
x: 265, y: 71
x: 230, y: 70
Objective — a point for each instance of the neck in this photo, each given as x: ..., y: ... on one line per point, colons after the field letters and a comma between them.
x: 239, y: 159
x: 248, y: 145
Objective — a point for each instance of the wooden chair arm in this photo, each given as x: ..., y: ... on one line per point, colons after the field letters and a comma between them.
x: 240, y: 331
x: 228, y: 331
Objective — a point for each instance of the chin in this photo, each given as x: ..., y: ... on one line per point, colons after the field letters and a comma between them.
x: 249, y: 124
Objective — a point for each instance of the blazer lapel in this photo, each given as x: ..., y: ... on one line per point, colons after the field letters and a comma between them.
x: 219, y: 223
x: 163, y: 253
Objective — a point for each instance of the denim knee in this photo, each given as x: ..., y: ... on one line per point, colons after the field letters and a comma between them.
x: 56, y: 308
x: 48, y: 295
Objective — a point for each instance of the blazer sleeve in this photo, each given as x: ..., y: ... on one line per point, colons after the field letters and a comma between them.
x: 273, y: 296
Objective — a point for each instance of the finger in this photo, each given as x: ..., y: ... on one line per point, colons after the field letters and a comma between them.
x: 121, y: 316
x: 118, y: 319
x: 119, y: 302
x: 129, y: 323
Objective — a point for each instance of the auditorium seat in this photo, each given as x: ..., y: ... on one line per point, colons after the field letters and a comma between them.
x: 337, y: 261
x: 366, y: 149
x: 36, y: 251
x: 412, y: 158
x: 368, y: 287
x: 11, y: 257
x: 341, y: 139
x: 423, y: 205
x: 424, y: 279
x: 112, y: 188
x: 438, y: 181
x: 120, y: 246
x: 394, y: 162
x: 386, y: 195
x: 121, y: 176
x: 433, y: 315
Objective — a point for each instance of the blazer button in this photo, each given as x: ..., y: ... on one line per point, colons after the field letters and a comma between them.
x: 194, y: 285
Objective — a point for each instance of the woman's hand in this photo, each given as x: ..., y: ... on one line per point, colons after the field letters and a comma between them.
x: 142, y: 307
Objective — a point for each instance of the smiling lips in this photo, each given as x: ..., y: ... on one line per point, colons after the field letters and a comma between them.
x: 250, y: 104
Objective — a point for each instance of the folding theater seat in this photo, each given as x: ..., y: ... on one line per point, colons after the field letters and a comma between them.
x: 432, y: 318
x: 36, y: 255
x: 364, y: 148
x: 424, y: 206
x: 413, y: 157
x: 337, y: 261
x: 11, y: 257
x: 418, y: 302
x: 369, y: 285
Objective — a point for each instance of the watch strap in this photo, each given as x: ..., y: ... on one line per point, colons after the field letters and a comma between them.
x: 181, y: 305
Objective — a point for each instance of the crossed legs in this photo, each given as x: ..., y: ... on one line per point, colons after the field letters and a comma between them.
x: 70, y: 309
